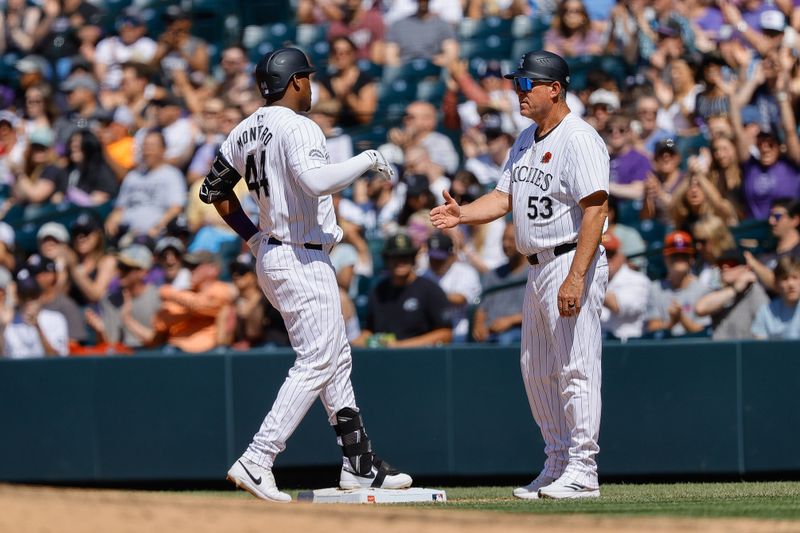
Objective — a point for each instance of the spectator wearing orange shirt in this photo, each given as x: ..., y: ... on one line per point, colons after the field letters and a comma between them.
x: 117, y: 141
x: 194, y: 320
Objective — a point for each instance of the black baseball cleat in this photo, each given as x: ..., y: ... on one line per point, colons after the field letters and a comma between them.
x: 380, y: 476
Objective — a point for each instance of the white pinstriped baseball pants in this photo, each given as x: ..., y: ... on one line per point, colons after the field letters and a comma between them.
x: 560, y: 363
x: 301, y: 284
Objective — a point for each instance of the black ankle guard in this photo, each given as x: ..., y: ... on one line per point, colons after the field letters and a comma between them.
x: 356, y: 446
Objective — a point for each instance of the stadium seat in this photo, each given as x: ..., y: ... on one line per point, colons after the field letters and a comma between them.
x: 473, y: 29
x: 317, y: 53
x: 522, y: 26
x: 491, y: 47
x: 581, y: 66
x: 412, y: 71
x: 520, y: 47
x: 656, y: 269
x: 399, y: 89
x: 368, y: 67
x: 431, y: 91
x: 265, y: 11
x: 367, y: 138
x: 628, y: 212
x: 258, y: 40
x: 310, y: 34
x: 651, y: 230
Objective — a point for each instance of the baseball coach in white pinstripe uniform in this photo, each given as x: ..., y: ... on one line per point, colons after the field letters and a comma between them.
x: 284, y: 159
x: 556, y: 185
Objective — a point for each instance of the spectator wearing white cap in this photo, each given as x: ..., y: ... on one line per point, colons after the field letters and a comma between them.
x: 53, y: 243
x: 127, y: 313
x: 169, y: 258
x: 32, y: 331
x: 602, y: 106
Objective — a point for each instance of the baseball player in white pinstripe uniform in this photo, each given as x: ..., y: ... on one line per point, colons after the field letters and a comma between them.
x: 556, y: 185
x: 284, y: 159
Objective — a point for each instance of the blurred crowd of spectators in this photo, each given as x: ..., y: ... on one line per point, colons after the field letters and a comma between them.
x: 106, y: 131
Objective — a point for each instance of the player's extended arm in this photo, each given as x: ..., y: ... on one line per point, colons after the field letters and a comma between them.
x: 330, y: 179
x: 595, y: 212
x: 488, y: 207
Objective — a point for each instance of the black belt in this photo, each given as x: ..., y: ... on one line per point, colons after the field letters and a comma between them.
x: 558, y: 250
x: 307, y: 246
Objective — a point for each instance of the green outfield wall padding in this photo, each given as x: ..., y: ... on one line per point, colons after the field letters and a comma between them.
x: 669, y: 408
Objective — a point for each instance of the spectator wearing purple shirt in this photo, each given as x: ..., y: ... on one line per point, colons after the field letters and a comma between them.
x: 629, y: 167
x: 772, y: 174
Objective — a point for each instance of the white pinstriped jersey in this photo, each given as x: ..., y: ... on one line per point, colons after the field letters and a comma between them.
x: 271, y: 149
x: 548, y: 178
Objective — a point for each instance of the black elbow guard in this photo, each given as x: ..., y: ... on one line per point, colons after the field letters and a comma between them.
x: 219, y: 181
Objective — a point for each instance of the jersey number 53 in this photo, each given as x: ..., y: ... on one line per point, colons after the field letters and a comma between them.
x: 534, y: 203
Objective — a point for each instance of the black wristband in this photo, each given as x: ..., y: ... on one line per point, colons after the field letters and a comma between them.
x: 242, y: 225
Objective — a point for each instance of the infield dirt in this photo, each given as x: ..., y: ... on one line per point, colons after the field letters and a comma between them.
x: 45, y: 510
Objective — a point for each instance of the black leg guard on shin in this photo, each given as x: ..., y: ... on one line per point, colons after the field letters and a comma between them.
x: 357, y: 449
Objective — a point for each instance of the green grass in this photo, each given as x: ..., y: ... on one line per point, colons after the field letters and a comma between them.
x: 776, y: 500
x: 779, y: 500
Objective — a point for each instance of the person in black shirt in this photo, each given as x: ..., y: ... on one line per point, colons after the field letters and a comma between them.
x: 355, y: 90
x: 404, y: 310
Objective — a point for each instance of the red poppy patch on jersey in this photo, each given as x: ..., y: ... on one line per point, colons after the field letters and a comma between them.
x: 546, y: 157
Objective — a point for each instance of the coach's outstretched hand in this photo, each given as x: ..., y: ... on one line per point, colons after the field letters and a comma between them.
x: 447, y: 215
x: 380, y: 164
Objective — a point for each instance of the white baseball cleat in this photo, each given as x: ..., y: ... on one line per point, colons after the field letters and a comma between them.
x: 256, y: 480
x: 531, y: 490
x: 381, y: 476
x: 563, y: 489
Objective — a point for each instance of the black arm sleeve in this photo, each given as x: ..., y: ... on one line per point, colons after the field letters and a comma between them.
x: 219, y: 181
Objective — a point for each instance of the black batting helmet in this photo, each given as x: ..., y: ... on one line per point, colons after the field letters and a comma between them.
x: 542, y: 65
x: 276, y: 68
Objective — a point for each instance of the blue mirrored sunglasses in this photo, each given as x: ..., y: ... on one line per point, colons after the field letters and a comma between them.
x: 526, y: 84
